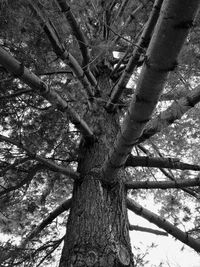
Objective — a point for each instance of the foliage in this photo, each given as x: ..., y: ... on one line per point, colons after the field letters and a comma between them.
x: 29, y: 190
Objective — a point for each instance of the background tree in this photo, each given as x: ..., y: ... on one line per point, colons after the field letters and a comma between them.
x: 83, y: 126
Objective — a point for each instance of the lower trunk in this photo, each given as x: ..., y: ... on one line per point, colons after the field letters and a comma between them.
x: 97, y: 229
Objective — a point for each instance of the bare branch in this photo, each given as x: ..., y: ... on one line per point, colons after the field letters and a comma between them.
x: 59, y: 49
x: 50, y: 164
x: 174, y: 112
x: 163, y: 184
x: 164, y: 224
x: 139, y: 49
x: 55, y: 213
x: 147, y: 230
x: 65, y: 8
x: 154, y: 74
x: 169, y: 175
x: 21, y: 72
x: 169, y: 163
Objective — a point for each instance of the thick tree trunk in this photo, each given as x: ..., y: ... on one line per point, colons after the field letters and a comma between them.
x: 97, y: 227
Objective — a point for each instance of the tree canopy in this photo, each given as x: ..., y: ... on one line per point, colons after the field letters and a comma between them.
x: 102, y: 89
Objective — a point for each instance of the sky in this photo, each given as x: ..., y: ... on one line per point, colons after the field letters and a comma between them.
x: 168, y: 249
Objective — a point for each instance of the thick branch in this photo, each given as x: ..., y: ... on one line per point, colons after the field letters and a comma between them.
x: 139, y: 49
x: 50, y: 164
x: 174, y: 112
x: 169, y: 163
x: 55, y: 213
x: 163, y: 184
x: 59, y: 49
x: 65, y: 8
x: 164, y: 224
x: 21, y: 72
x: 147, y: 230
x: 160, y: 59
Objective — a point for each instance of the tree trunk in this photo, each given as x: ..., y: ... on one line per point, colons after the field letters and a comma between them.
x: 97, y: 227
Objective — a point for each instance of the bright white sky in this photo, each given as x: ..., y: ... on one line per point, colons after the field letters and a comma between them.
x: 168, y: 249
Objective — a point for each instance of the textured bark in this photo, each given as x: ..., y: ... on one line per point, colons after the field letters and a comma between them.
x: 169, y: 35
x: 97, y: 227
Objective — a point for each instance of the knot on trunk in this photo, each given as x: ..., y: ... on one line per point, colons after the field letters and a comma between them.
x: 123, y: 255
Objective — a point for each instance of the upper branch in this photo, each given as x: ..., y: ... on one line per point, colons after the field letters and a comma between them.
x: 169, y: 163
x: 164, y: 224
x: 82, y: 42
x: 50, y: 164
x: 21, y: 72
x: 166, y: 42
x: 172, y: 113
x: 59, y: 49
x: 139, y: 49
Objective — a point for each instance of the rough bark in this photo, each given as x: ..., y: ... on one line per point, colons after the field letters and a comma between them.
x: 97, y: 228
x: 169, y: 35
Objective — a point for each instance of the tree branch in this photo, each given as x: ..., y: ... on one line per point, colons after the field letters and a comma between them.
x: 168, y: 175
x: 128, y: 21
x: 21, y: 72
x: 160, y: 59
x: 50, y: 164
x: 55, y: 213
x: 139, y: 49
x: 59, y: 48
x: 164, y: 224
x: 163, y: 184
x: 146, y: 230
x: 31, y: 173
x: 65, y: 8
x: 169, y: 163
x: 174, y: 112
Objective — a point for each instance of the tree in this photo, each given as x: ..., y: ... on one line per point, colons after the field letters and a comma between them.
x: 76, y: 134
